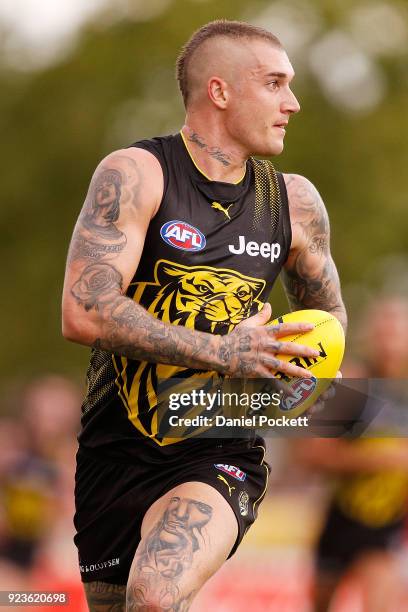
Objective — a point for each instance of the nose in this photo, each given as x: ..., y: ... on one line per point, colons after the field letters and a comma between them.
x: 182, y: 509
x: 290, y: 104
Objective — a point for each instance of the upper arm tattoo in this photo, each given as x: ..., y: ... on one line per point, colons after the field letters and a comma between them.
x: 123, y: 326
x: 98, y: 285
x: 310, y: 277
x: 96, y: 235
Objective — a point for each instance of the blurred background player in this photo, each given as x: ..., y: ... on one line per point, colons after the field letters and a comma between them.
x: 369, y: 504
x: 36, y: 479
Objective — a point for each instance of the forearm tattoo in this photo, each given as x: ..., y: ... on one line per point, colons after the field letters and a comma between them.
x: 164, y: 571
x: 128, y: 329
x: 310, y: 277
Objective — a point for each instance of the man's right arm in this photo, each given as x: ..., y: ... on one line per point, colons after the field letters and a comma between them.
x: 107, y: 243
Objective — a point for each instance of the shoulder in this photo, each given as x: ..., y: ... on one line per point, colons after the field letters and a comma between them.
x: 135, y: 159
x: 139, y: 171
x: 304, y: 199
x: 300, y: 188
x: 308, y: 214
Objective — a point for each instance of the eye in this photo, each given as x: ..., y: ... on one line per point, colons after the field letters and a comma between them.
x: 204, y: 508
x: 242, y: 293
x: 202, y: 288
x: 273, y: 84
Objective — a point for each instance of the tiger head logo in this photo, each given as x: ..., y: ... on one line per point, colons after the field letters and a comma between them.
x: 201, y: 297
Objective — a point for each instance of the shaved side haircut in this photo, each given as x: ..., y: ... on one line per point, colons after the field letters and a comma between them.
x: 235, y: 30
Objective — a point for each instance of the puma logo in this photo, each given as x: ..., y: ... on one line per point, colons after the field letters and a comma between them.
x: 219, y: 206
x: 230, y: 489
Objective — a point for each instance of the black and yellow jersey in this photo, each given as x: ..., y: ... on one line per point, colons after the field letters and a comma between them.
x: 210, y: 258
x: 375, y: 499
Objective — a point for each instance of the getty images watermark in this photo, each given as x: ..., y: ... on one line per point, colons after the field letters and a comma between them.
x: 252, y: 403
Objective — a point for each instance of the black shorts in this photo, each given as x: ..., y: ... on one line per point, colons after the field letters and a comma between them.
x: 111, y: 499
x: 343, y: 540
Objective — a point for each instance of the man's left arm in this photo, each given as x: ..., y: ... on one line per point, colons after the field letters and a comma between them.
x: 310, y: 276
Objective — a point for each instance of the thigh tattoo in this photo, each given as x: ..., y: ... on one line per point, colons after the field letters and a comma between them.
x: 166, y: 556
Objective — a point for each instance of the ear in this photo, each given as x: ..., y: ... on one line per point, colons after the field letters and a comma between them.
x: 217, y: 90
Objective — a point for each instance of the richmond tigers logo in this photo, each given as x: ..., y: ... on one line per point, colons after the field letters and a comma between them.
x: 209, y: 299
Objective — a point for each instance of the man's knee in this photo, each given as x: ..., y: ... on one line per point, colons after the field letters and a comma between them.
x: 145, y: 592
x: 105, y: 596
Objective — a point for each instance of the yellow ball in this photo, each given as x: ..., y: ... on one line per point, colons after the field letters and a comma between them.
x: 328, y: 338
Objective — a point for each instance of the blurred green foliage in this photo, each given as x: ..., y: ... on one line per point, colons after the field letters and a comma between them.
x: 116, y: 86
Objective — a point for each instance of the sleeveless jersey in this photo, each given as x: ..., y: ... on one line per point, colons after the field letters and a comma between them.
x: 210, y: 258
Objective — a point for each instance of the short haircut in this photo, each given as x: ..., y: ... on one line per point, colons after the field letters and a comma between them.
x: 236, y: 30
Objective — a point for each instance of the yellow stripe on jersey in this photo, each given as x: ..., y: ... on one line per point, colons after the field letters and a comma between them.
x: 121, y: 385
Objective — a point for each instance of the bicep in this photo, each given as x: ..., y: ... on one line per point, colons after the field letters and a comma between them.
x: 109, y: 235
x: 310, y: 276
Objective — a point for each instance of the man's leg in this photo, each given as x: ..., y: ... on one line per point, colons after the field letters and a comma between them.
x: 105, y: 597
x: 186, y: 536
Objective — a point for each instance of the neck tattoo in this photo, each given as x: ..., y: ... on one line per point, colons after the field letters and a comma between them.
x: 214, y: 152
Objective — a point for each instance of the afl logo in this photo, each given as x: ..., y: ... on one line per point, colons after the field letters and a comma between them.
x: 302, y: 388
x: 181, y: 235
